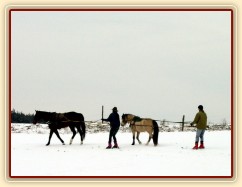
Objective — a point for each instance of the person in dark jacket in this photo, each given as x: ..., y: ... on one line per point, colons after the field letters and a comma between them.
x: 114, y: 124
x: 201, y: 123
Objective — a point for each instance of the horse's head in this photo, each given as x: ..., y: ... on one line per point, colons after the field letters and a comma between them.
x: 42, y: 116
x: 126, y: 118
x: 124, y: 121
x: 37, y: 117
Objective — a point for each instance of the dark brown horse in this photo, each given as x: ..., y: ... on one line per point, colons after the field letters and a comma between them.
x: 61, y: 120
x: 138, y: 125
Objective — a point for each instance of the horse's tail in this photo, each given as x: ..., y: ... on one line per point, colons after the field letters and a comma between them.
x: 83, y: 127
x: 156, y: 132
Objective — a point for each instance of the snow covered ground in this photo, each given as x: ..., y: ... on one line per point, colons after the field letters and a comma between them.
x: 172, y: 157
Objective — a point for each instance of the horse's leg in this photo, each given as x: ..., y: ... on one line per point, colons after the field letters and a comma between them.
x: 150, y: 136
x: 51, y: 132
x: 137, y: 137
x: 133, y: 137
x: 74, y: 133
x: 80, y: 132
x: 57, y: 134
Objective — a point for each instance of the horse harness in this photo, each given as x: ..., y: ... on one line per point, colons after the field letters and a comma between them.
x: 62, y: 118
x: 137, y: 119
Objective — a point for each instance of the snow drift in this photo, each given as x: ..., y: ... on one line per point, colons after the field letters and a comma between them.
x: 172, y: 157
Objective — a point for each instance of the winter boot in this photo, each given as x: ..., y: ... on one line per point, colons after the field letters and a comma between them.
x: 201, y: 145
x: 196, y: 146
x: 115, y: 145
x: 109, y: 146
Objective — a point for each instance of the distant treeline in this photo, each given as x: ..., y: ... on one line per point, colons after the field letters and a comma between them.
x: 19, y: 117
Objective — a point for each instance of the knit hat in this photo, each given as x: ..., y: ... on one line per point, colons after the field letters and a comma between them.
x: 115, y: 109
x: 200, y: 107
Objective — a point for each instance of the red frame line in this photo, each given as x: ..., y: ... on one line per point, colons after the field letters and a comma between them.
x: 109, y: 10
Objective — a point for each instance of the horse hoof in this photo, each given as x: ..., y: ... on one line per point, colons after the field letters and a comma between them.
x: 81, y: 143
x: 71, y: 141
x: 47, y: 144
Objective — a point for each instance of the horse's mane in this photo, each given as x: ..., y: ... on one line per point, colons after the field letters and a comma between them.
x: 134, y: 116
x: 129, y: 114
x: 45, y: 112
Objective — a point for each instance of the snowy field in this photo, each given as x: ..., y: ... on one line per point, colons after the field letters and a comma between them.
x: 172, y: 157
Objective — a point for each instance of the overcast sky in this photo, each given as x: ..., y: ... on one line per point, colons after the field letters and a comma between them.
x: 159, y: 64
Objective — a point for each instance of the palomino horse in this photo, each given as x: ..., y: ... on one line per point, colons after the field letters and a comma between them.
x: 62, y: 120
x: 138, y: 125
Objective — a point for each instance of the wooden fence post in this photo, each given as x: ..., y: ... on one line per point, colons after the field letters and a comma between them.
x: 102, y: 114
x: 183, y: 122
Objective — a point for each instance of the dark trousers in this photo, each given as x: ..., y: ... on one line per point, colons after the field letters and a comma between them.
x: 112, y: 133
